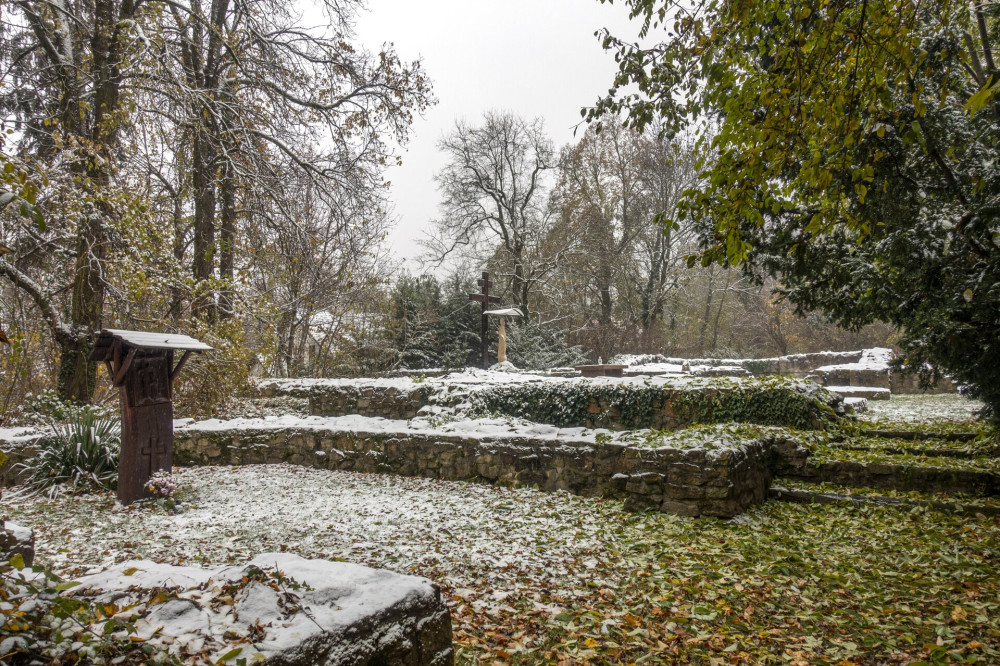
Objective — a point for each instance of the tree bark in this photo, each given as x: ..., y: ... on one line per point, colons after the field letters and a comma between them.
x: 227, y: 241
x: 203, y: 264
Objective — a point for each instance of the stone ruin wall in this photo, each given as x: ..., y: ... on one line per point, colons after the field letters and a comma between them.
x: 668, y: 412
x: 689, y: 482
x: 386, y: 402
x: 720, y: 482
x: 802, y: 366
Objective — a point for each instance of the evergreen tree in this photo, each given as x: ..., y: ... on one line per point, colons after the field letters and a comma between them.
x: 458, y: 323
x: 416, y: 305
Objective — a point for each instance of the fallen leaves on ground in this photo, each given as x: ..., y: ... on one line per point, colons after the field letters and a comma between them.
x: 552, y: 578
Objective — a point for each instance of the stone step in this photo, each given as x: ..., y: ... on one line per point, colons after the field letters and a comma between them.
x: 867, y: 392
x: 802, y: 496
x: 886, y: 475
x: 918, y: 434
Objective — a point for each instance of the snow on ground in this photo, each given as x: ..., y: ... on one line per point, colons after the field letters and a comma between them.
x: 19, y: 435
x: 525, y: 570
x: 465, y: 535
x: 483, y: 428
x: 929, y: 409
x: 549, y: 575
x: 465, y: 379
x: 656, y: 369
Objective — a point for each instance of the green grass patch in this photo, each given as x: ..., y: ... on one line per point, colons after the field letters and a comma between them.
x: 832, y: 452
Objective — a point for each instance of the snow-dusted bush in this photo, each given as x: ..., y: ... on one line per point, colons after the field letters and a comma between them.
x: 45, y: 407
x: 772, y: 401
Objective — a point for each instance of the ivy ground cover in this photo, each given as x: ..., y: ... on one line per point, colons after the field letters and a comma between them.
x: 553, y: 578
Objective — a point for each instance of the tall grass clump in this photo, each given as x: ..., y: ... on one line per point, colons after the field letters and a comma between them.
x: 81, y: 454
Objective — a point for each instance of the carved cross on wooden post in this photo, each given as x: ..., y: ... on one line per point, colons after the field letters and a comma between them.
x: 142, y: 366
x: 485, y: 299
x: 156, y: 454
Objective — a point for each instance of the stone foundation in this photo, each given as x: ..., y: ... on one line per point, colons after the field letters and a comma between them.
x: 388, y: 403
x: 606, y: 402
x: 722, y: 479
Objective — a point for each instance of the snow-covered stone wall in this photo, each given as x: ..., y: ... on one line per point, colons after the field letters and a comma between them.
x: 620, y: 403
x: 863, y: 367
x: 716, y: 476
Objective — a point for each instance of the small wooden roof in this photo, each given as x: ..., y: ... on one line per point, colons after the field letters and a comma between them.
x: 145, y: 340
x: 506, y: 312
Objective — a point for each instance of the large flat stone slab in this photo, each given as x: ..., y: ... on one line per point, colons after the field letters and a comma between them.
x: 280, y: 609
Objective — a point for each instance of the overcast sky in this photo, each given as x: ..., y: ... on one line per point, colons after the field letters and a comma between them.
x: 532, y: 57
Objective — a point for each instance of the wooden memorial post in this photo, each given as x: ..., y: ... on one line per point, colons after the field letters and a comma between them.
x: 142, y: 366
x: 484, y: 330
x: 502, y: 346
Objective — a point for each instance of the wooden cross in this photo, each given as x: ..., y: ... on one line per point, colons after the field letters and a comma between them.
x: 485, y: 299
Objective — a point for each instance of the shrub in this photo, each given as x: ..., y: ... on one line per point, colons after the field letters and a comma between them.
x: 570, y: 404
x: 81, y: 453
x: 39, y: 624
x: 44, y: 407
x: 211, y: 380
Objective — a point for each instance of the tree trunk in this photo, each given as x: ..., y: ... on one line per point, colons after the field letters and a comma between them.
x: 708, y: 313
x: 77, y: 374
x: 176, y: 291
x: 648, y: 298
x: 718, y: 315
x: 227, y: 240
x: 520, y: 286
x: 203, y: 265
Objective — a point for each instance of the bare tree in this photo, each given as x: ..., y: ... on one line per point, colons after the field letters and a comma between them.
x: 314, y: 275
x: 169, y: 132
x: 601, y: 201
x: 615, y: 200
x: 494, y: 198
x: 260, y: 99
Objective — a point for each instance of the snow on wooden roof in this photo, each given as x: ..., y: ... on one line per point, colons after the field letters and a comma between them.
x: 507, y: 312
x: 150, y: 340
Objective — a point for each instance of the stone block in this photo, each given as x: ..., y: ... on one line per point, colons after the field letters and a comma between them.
x: 17, y: 540
x: 339, y: 613
x: 685, y: 509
